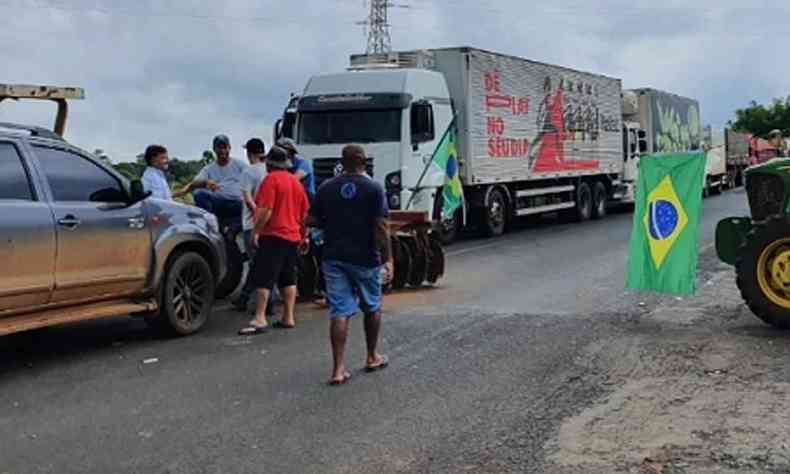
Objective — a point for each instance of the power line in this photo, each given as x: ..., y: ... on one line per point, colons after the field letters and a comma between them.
x: 379, y: 40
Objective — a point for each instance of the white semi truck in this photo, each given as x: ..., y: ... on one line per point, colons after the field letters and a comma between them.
x: 532, y: 138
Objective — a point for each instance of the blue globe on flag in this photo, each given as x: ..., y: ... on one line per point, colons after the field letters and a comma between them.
x: 663, y: 219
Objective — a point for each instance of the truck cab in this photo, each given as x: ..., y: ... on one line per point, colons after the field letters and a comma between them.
x: 397, y: 113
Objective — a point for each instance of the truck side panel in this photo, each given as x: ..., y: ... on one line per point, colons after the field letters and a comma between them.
x: 453, y: 64
x: 533, y: 121
x: 737, y: 147
x: 672, y: 122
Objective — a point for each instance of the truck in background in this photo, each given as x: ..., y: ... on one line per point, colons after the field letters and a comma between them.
x: 532, y: 138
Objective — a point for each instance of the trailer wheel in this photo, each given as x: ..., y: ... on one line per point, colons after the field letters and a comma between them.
x: 495, y: 214
x: 402, y: 259
x: 584, y: 202
x: 599, y: 200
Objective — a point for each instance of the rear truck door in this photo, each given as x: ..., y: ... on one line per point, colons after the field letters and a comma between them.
x: 104, y: 245
x: 27, y: 236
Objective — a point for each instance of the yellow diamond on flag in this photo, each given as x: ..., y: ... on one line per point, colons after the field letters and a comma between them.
x: 664, y: 220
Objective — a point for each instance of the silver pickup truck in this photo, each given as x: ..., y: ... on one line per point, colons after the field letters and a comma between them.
x: 78, y: 241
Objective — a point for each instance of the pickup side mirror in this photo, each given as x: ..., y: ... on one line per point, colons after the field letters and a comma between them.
x: 642, y: 146
x: 137, y: 192
x: 278, y: 129
x: 422, y: 128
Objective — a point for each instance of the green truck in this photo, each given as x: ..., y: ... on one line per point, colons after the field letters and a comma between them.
x: 759, y: 246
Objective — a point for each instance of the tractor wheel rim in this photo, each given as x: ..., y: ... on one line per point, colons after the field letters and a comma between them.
x: 773, y: 272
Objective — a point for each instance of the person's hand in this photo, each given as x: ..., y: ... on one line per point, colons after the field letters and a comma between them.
x: 389, y: 271
x: 304, y: 247
x: 255, y: 240
x: 212, y: 186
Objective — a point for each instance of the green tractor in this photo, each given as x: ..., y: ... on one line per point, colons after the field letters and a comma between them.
x: 759, y: 246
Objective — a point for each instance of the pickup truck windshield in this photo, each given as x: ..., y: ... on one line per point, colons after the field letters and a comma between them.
x: 350, y: 126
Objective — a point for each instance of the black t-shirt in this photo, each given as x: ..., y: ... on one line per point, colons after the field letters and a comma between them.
x: 346, y: 208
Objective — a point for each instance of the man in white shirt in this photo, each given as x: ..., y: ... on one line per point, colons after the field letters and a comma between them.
x: 217, y: 188
x: 251, y: 179
x: 154, y: 179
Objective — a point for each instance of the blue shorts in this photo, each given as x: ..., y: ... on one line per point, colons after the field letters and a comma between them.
x: 350, y: 288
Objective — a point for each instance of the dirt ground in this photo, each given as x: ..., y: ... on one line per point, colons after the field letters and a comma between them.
x: 699, y: 385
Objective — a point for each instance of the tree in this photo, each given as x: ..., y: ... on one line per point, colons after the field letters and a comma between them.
x: 759, y: 119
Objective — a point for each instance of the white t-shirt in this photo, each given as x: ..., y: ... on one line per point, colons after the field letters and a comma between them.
x: 228, y: 177
x: 251, y: 179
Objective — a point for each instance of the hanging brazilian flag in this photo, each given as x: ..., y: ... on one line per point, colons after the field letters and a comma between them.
x: 664, y: 239
x: 445, y: 158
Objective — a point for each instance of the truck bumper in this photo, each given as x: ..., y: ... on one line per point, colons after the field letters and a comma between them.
x: 731, y: 234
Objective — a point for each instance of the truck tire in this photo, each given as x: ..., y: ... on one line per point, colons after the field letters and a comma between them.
x: 448, y: 229
x: 186, y: 296
x: 584, y: 203
x: 763, y: 272
x: 495, y: 214
x: 599, y: 200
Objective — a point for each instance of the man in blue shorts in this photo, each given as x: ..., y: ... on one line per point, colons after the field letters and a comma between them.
x: 352, y: 211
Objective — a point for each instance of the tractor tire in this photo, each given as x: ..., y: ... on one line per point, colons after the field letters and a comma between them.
x: 600, y: 196
x: 584, y: 203
x: 495, y: 214
x: 763, y: 272
x: 402, y: 259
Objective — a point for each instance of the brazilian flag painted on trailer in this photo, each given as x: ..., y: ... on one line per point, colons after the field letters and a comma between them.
x: 663, y: 252
x: 445, y: 158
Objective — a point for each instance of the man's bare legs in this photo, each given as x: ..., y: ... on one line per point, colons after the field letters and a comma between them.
x: 260, y: 307
x: 372, y: 329
x: 338, y: 333
x: 289, y: 304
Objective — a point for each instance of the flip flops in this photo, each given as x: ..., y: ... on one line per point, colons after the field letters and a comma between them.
x: 280, y: 325
x: 346, y: 378
x: 382, y: 364
x: 253, y: 330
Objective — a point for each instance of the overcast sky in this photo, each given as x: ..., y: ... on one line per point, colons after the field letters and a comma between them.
x: 180, y: 71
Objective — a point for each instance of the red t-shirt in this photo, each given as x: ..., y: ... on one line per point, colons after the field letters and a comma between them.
x: 284, y: 195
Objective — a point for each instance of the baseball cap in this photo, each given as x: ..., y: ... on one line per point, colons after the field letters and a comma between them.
x: 221, y: 140
x: 255, y: 145
x: 287, y: 144
x: 278, y: 158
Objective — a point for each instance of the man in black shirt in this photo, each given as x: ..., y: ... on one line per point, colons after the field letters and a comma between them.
x: 352, y: 211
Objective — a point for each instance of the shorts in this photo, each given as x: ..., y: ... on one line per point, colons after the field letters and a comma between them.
x: 351, y: 287
x: 275, y: 262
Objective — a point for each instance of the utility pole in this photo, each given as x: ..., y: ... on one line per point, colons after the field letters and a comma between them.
x: 379, y: 40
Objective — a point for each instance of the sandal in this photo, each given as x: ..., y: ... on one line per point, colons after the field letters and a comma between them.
x: 382, y: 364
x: 335, y: 382
x: 253, y: 330
x: 280, y: 325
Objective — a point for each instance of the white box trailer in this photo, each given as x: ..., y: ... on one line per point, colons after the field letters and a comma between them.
x: 531, y: 137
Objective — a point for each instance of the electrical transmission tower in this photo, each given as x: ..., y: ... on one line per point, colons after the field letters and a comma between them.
x: 379, y: 40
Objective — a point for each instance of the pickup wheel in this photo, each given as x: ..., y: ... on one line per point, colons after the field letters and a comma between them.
x: 187, y: 295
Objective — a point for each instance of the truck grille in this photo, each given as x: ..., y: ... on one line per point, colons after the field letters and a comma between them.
x: 766, y: 195
x: 328, y: 168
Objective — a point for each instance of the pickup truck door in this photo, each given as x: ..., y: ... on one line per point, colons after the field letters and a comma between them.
x: 104, y: 245
x: 27, y: 236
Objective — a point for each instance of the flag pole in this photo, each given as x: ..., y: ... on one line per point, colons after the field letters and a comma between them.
x: 417, y: 187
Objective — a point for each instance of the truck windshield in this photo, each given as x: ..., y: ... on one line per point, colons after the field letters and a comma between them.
x: 349, y: 126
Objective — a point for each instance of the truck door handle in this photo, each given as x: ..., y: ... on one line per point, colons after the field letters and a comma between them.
x: 69, y: 222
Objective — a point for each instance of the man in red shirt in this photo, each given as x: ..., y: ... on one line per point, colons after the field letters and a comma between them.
x: 279, y: 232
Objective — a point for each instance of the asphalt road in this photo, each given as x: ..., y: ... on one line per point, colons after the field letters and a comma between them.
x: 483, y: 369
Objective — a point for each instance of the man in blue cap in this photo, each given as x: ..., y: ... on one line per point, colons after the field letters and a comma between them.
x: 217, y: 188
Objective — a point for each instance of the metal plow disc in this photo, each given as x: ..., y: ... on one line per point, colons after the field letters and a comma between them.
x: 435, y: 260
x: 419, y: 262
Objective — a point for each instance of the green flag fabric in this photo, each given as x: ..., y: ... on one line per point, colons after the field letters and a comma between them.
x: 445, y: 158
x: 663, y: 251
